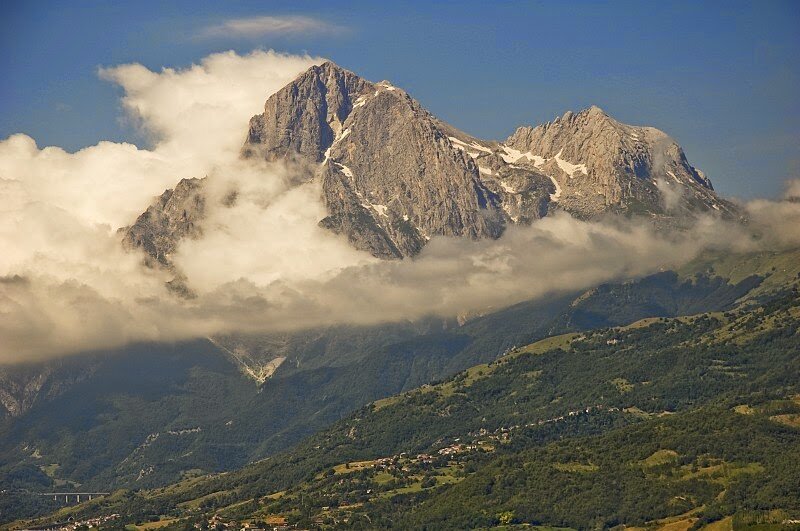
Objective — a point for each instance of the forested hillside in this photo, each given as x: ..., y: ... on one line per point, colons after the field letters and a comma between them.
x: 695, y: 418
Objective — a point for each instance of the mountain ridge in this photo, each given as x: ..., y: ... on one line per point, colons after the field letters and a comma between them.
x: 393, y: 175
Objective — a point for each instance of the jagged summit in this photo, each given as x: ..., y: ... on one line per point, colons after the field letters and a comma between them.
x: 621, y: 166
x: 303, y: 118
x: 594, y: 111
x: 393, y: 176
x: 391, y: 179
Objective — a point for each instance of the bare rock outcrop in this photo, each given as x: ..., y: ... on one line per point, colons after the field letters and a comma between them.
x: 302, y: 119
x: 174, y: 215
x: 603, y: 165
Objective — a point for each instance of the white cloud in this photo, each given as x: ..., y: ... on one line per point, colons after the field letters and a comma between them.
x: 59, y: 211
x: 265, y: 264
x: 198, y: 115
x: 670, y: 194
x: 272, y: 26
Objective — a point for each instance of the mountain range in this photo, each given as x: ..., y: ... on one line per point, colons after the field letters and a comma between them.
x: 393, y: 176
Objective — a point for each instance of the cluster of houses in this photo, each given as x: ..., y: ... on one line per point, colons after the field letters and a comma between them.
x: 272, y: 524
x: 458, y: 448
x: 72, y: 524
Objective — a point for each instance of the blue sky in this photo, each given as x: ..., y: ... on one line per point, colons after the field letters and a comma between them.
x: 723, y: 78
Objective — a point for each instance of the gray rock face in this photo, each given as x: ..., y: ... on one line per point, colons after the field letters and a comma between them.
x: 393, y: 176
x: 18, y: 392
x: 303, y: 118
x: 174, y: 215
x: 391, y: 163
x: 603, y: 165
x: 23, y: 385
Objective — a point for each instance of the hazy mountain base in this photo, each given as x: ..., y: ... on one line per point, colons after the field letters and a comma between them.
x: 693, y: 419
x: 134, y: 420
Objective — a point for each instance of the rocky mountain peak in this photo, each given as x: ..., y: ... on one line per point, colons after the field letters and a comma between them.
x: 594, y: 112
x: 302, y: 119
x: 391, y: 179
x: 590, y: 114
x: 623, y: 167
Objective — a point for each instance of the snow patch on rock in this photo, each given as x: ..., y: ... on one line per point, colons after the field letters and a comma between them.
x: 568, y: 167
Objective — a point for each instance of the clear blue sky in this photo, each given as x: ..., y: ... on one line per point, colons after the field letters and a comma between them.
x: 723, y: 78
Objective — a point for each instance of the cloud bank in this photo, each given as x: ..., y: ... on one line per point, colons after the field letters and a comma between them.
x: 66, y: 284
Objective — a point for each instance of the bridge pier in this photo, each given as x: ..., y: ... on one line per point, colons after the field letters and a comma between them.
x: 77, y: 496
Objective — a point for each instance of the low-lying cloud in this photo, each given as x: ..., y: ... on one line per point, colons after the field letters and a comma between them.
x: 264, y: 264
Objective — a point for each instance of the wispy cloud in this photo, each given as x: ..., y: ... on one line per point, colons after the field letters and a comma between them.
x: 271, y: 26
